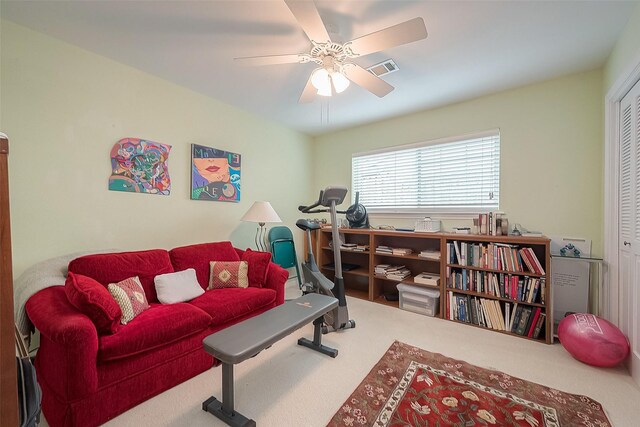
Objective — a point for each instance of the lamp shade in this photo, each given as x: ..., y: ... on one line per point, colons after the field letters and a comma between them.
x: 261, y: 212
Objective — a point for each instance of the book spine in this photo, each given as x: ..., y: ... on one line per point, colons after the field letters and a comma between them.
x: 534, y: 321
x: 536, y: 261
x: 516, y: 319
x: 524, y: 318
x: 491, y: 224
x: 539, y: 325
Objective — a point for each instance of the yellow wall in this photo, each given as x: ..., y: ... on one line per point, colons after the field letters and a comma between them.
x: 64, y: 108
x: 551, y: 151
x: 626, y: 50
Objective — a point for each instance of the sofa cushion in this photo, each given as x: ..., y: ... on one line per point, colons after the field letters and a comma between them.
x: 225, y: 305
x: 258, y: 266
x: 228, y: 274
x: 176, y: 287
x: 93, y: 300
x: 115, y: 267
x: 130, y: 297
x: 156, y: 327
x: 199, y: 256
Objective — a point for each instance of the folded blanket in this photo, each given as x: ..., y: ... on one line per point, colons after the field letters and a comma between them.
x: 52, y: 272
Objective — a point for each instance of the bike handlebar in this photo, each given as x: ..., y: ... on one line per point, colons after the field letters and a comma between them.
x: 307, y: 209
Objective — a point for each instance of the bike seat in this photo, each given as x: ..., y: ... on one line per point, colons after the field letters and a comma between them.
x: 305, y: 224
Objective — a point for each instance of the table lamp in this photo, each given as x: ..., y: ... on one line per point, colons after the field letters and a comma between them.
x: 261, y: 212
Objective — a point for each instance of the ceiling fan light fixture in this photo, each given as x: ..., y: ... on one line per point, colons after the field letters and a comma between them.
x: 321, y: 80
x: 340, y: 82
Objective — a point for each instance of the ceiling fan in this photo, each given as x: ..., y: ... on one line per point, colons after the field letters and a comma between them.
x: 336, y: 71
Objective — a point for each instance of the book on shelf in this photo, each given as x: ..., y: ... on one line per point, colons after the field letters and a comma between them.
x: 539, y: 325
x: 399, y: 275
x: 512, y: 317
x: 430, y: 254
x: 401, y: 251
x: 393, y: 272
x: 516, y: 319
x: 384, y: 250
x: 426, y: 278
x: 524, y: 319
x: 381, y: 268
x: 532, y: 324
x: 531, y: 260
x: 456, y: 247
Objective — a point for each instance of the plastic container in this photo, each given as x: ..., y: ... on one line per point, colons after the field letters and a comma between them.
x: 427, y: 225
x: 419, y: 300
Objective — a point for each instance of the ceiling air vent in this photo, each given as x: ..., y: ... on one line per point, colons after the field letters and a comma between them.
x: 383, y: 68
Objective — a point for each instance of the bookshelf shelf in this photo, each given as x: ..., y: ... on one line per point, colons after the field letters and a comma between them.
x: 364, y: 283
x: 378, y: 254
x: 490, y: 270
x: 327, y: 248
x: 540, y: 339
x: 356, y: 272
x: 407, y: 281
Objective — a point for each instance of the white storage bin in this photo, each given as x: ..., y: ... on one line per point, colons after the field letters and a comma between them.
x: 419, y: 300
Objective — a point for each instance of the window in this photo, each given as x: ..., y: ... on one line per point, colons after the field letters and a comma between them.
x: 452, y: 175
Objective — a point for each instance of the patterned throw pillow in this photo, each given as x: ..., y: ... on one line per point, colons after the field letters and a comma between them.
x: 129, y: 295
x: 228, y: 274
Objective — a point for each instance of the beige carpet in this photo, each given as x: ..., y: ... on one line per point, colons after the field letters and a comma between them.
x: 288, y: 385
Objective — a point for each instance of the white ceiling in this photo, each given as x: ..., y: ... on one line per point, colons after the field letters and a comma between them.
x: 473, y: 48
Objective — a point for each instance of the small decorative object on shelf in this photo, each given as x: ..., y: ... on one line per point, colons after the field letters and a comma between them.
x: 427, y: 225
x: 462, y: 230
x: 427, y: 279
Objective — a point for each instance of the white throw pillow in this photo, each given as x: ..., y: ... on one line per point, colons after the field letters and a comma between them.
x: 178, y: 287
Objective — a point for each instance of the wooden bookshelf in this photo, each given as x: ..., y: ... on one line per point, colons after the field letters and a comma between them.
x: 362, y: 282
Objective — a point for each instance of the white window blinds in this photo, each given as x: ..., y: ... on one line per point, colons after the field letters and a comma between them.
x: 460, y: 174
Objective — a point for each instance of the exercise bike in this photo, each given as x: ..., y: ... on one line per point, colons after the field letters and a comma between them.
x: 314, y: 280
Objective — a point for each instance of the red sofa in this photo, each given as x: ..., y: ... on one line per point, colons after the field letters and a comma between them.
x: 88, y: 378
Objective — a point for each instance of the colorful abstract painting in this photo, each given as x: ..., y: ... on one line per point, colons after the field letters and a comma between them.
x: 215, y: 174
x: 140, y: 166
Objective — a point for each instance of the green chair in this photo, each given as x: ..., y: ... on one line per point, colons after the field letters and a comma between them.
x: 283, y: 249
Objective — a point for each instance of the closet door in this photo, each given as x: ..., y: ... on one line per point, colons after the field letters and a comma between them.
x: 629, y: 238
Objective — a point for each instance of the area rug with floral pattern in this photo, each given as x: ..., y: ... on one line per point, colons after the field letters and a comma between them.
x: 413, y: 387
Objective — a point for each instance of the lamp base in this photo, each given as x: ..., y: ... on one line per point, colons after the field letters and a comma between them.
x: 261, y: 234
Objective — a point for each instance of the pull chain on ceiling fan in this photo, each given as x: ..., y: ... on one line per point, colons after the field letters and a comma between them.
x: 335, y: 71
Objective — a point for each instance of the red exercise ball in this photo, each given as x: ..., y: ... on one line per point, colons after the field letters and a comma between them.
x: 593, y: 340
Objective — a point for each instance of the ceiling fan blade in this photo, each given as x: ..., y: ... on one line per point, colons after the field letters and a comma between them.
x: 403, y: 33
x: 365, y: 79
x: 309, y: 19
x: 273, y: 59
x: 308, y: 94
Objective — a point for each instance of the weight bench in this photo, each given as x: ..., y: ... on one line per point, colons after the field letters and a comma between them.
x: 246, y: 339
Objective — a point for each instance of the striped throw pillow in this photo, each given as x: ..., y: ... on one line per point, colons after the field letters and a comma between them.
x: 130, y: 296
x: 228, y: 274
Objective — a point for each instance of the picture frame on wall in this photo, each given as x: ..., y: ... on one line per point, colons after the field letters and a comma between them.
x: 215, y: 174
x: 140, y: 166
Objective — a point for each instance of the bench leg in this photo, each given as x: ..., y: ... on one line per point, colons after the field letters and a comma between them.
x: 224, y: 410
x: 316, y: 344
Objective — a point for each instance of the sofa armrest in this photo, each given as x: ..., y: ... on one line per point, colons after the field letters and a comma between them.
x: 276, y: 279
x: 67, y: 358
